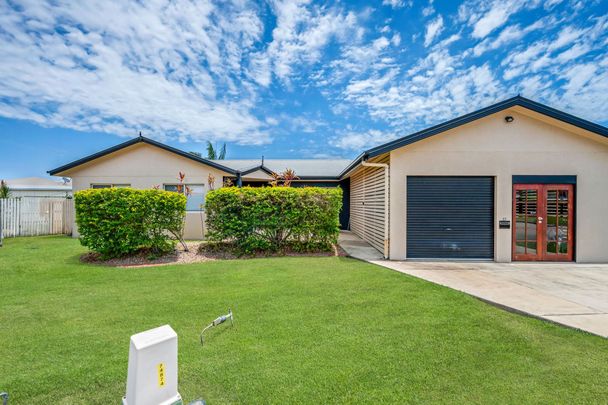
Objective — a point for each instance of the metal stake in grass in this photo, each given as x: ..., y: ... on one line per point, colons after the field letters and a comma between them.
x: 218, y: 321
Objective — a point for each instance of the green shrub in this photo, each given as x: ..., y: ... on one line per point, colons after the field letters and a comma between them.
x: 120, y: 221
x: 271, y: 218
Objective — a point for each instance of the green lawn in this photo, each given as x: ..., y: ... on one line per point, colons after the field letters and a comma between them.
x: 308, y: 330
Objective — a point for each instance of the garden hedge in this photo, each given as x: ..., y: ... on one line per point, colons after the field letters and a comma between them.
x: 120, y: 221
x: 274, y: 218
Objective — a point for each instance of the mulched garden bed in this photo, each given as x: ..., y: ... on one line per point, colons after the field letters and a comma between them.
x: 144, y: 259
x: 198, y: 252
x: 225, y: 251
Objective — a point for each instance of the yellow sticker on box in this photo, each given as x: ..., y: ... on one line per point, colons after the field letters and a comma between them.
x: 161, y: 374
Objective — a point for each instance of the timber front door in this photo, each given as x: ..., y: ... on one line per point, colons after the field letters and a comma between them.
x: 543, y: 219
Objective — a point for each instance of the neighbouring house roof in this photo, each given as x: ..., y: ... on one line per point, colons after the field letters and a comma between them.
x: 140, y: 139
x: 304, y: 168
x: 38, y: 183
x: 464, y: 119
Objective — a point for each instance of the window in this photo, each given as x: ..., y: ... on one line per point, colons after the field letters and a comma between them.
x: 109, y: 185
x: 196, y: 197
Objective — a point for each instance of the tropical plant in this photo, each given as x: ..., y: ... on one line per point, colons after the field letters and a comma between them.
x: 214, y: 153
x: 181, y: 187
x: 211, y: 181
x: 284, y: 178
x: 5, y: 192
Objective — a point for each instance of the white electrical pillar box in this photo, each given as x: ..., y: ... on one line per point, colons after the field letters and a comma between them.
x: 152, y: 378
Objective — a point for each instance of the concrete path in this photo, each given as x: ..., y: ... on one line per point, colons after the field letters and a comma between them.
x: 356, y: 247
x: 571, y: 294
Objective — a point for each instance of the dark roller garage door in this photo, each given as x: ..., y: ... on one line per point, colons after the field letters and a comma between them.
x: 450, y: 217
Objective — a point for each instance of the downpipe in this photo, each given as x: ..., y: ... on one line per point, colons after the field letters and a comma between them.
x: 385, y: 166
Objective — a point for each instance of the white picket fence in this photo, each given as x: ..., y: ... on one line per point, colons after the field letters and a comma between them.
x: 32, y: 216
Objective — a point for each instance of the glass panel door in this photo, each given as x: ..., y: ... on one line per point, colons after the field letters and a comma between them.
x: 526, y: 233
x: 543, y: 222
x: 558, y: 238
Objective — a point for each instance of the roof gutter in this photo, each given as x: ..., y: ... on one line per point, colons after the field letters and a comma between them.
x: 353, y: 165
x: 384, y: 166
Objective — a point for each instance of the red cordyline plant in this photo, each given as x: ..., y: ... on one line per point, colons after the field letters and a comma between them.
x: 182, y: 188
x: 211, y: 181
x: 284, y: 178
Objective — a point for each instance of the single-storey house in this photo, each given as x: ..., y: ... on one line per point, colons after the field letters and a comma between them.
x: 39, y: 187
x: 517, y: 180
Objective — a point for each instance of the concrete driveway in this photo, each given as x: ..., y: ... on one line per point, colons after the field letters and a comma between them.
x: 575, y: 295
x: 571, y: 294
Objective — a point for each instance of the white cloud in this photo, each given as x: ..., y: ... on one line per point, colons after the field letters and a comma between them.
x: 260, y: 69
x: 441, y: 85
x: 396, y: 39
x: 578, y: 77
x: 548, y: 54
x: 497, y: 15
x: 434, y: 90
x: 357, y: 59
x: 360, y: 140
x: 433, y: 29
x: 123, y: 67
x: 272, y: 121
x: 508, y: 35
x: 566, y: 37
x: 176, y: 69
x: 585, y: 92
x: 532, y: 85
x: 429, y: 9
x: 397, y: 3
x: 380, y: 43
x: 548, y: 4
x: 448, y: 41
x: 306, y: 125
x: 206, y: 70
x: 301, y: 33
x: 573, y: 52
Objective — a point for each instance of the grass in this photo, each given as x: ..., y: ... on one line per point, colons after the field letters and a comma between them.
x: 308, y: 330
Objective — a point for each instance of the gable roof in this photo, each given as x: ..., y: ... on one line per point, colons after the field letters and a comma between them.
x: 465, y: 119
x: 134, y: 141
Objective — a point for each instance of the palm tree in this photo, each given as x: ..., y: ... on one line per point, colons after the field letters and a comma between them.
x: 214, y: 153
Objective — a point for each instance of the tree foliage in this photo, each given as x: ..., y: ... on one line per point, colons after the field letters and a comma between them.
x: 5, y: 192
x: 214, y: 154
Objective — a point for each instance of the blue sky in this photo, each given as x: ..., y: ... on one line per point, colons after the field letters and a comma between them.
x: 284, y: 79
